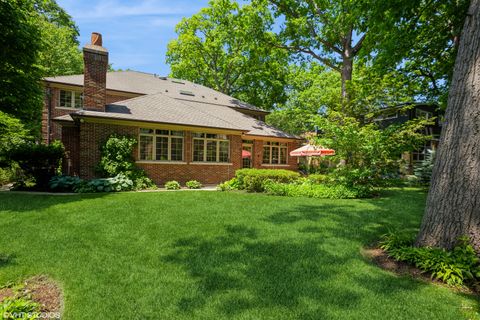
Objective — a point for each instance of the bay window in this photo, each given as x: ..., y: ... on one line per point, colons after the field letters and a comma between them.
x: 161, y: 145
x: 274, y: 153
x: 208, y: 147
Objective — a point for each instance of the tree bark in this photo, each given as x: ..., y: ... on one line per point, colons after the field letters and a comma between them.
x: 453, y: 203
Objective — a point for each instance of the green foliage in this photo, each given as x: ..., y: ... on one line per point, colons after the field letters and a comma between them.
x: 253, y: 180
x: 12, y: 308
x: 172, y: 185
x: 64, y: 183
x: 229, y: 185
x: 319, y: 178
x: 115, y: 184
x: 39, y: 162
x: 117, y: 159
x: 193, y: 184
x: 38, y: 38
x: 424, y: 170
x: 322, y: 191
x: 459, y: 266
x: 229, y: 47
x: 20, y: 90
x: 12, y: 133
x: 367, y: 154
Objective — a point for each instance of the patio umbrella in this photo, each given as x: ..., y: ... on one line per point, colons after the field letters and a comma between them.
x: 246, y: 154
x: 310, y: 150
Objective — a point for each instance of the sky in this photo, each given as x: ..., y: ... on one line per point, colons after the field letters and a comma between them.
x: 136, y: 33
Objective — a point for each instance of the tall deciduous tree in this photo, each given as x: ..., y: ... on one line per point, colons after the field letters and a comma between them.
x: 453, y: 204
x: 38, y: 38
x: 225, y: 47
x: 330, y: 32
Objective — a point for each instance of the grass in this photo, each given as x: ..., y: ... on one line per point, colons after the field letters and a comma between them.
x: 212, y: 255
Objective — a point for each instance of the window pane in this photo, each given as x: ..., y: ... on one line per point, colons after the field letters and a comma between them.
x: 222, y: 136
x: 266, y: 154
x: 283, y: 155
x: 162, y: 132
x: 198, y: 135
x: 177, y: 133
x: 162, y: 148
x: 146, y: 148
x: 211, y: 136
x: 224, y: 147
x: 274, y: 155
x: 176, y: 149
x: 149, y: 131
x: 65, y: 99
x: 211, y: 151
x: 78, y: 100
x: 198, y: 150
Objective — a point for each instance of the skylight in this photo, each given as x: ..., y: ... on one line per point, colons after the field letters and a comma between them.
x: 187, y: 93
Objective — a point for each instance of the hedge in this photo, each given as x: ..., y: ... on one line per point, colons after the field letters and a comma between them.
x: 253, y: 180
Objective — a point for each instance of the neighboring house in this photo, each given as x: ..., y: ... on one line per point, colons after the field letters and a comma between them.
x: 184, y: 130
x: 401, y: 114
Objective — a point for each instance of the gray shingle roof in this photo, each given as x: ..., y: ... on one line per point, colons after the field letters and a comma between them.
x: 173, y: 101
x: 159, y: 108
x: 146, y: 83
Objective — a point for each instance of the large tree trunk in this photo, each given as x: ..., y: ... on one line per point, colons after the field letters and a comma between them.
x: 453, y: 204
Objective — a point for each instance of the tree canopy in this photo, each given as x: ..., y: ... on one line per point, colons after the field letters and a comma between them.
x: 227, y: 47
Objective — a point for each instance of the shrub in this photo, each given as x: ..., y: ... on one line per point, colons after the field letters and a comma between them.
x: 252, y: 180
x: 118, y: 183
x: 11, y: 308
x: 319, y: 178
x: 424, y: 170
x: 193, y: 184
x: 64, y: 183
x: 117, y: 158
x: 172, y: 185
x: 229, y: 185
x: 38, y: 162
x: 455, y: 267
x: 313, y: 190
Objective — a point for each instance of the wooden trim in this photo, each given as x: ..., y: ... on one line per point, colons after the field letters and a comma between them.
x: 211, y: 163
x: 159, y: 162
x: 154, y: 125
x: 268, y: 138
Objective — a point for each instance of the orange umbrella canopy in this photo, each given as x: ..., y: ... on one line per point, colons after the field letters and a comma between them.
x: 311, y: 150
x: 246, y: 154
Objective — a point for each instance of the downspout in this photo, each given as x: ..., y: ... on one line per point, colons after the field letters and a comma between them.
x: 49, y: 112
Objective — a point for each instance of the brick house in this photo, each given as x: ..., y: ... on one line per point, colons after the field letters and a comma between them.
x: 184, y: 130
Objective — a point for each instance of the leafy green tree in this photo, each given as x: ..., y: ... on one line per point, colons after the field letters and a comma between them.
x: 418, y: 38
x: 20, y: 40
x: 329, y: 32
x: 228, y: 47
x: 38, y: 39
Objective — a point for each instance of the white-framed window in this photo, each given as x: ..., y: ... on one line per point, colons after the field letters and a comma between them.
x: 160, y: 145
x: 274, y: 153
x: 209, y: 147
x: 70, y: 99
x: 419, y: 113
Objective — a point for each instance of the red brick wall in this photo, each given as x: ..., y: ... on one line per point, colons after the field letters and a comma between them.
x: 71, y: 141
x: 55, y: 128
x: 95, y: 79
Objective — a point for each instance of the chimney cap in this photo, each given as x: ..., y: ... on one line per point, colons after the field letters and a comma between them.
x: 96, y: 39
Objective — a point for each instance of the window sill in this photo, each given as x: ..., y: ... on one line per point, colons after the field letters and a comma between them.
x: 67, y: 108
x: 212, y: 163
x: 275, y: 165
x: 159, y: 162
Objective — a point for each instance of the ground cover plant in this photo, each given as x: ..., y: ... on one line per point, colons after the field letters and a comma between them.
x: 218, y: 255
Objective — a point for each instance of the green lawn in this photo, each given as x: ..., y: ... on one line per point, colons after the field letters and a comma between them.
x: 212, y: 255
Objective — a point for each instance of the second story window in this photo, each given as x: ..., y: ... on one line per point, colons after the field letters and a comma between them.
x: 70, y: 99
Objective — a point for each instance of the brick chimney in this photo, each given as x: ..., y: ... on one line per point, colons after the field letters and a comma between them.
x: 95, y: 58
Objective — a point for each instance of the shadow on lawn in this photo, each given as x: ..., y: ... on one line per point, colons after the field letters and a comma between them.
x: 25, y: 202
x: 239, y: 270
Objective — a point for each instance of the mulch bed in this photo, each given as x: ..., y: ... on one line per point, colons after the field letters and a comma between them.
x: 41, y: 290
x: 381, y: 259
